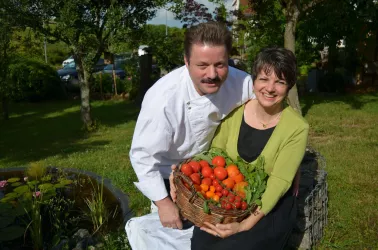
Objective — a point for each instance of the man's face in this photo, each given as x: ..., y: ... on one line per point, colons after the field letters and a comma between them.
x: 208, y: 67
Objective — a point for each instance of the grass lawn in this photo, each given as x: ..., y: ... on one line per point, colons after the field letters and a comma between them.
x: 342, y: 129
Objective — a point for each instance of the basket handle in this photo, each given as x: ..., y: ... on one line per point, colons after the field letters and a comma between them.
x: 177, y: 176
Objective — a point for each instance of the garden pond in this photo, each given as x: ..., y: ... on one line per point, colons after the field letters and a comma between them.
x: 51, y: 208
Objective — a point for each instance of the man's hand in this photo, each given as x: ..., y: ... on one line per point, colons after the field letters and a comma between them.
x: 169, y: 213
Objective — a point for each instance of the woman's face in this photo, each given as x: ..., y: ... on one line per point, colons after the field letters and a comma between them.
x: 270, y: 90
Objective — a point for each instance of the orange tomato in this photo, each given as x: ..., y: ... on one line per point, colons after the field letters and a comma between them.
x: 203, y: 193
x: 229, y: 183
x: 216, y: 198
x: 209, y: 194
x: 212, y: 189
x: 238, y: 178
x: 197, y: 187
x: 204, y: 187
x: 232, y: 170
x: 239, y: 188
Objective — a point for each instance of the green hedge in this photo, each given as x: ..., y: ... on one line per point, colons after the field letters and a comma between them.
x: 33, y: 80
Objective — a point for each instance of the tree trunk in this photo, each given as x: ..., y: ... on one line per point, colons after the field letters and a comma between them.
x: 85, y: 101
x: 84, y: 81
x: 289, y: 36
x: 4, y: 104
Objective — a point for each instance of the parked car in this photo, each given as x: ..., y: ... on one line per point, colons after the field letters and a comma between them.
x: 68, y: 73
x: 68, y: 61
x: 119, y: 72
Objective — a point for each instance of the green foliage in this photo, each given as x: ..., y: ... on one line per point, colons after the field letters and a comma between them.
x: 168, y: 50
x: 33, y: 80
x: 97, y: 213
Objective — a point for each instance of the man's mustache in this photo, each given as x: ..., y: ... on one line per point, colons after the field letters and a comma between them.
x: 211, y: 80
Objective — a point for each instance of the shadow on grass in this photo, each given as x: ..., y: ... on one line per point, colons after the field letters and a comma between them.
x: 355, y: 101
x: 39, y: 130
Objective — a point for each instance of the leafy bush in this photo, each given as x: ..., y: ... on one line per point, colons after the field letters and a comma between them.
x: 33, y: 80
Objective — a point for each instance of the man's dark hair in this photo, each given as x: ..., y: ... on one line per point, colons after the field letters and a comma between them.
x: 281, y: 61
x: 210, y: 33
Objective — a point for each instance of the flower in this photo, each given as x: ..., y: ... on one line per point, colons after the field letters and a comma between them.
x: 37, y: 194
x: 3, y: 183
x: 25, y: 178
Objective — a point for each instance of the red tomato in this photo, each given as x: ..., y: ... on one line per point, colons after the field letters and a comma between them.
x: 228, y: 206
x: 206, y: 171
x: 195, y: 166
x: 218, y: 188
x: 237, y: 204
x: 206, y: 181
x: 225, y: 192
x: 215, y: 182
x: 220, y: 173
x: 186, y: 169
x: 219, y: 194
x: 212, y: 176
x: 238, y: 198
x: 219, y: 161
x: 196, y: 178
x: 244, y: 205
x: 231, y: 198
x: 204, y: 163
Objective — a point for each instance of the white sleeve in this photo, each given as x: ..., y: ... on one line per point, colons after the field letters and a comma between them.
x: 151, y: 142
x: 248, y: 89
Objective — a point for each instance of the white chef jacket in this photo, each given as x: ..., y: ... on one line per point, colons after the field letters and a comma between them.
x: 176, y: 123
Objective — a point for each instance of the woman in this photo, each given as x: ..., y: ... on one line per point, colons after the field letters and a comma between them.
x: 263, y: 126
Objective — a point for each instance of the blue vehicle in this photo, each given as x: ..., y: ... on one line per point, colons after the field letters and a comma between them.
x: 119, y: 72
x: 69, y: 74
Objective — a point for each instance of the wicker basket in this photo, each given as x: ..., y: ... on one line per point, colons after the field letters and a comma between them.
x: 191, y: 205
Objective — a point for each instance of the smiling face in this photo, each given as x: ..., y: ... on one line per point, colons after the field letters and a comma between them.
x: 270, y: 90
x: 208, y: 67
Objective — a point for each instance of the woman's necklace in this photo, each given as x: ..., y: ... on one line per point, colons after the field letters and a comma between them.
x: 272, y: 120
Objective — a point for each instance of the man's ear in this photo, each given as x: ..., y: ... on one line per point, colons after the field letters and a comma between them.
x: 186, y: 62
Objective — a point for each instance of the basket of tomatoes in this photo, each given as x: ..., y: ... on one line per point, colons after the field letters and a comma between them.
x: 213, y: 188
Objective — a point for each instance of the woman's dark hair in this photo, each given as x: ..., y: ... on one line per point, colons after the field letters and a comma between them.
x: 282, y: 61
x: 210, y: 33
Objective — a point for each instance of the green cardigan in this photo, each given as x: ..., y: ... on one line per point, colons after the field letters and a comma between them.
x: 283, y: 152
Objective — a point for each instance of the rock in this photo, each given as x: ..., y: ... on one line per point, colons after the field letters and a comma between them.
x: 99, y: 245
x: 81, y: 234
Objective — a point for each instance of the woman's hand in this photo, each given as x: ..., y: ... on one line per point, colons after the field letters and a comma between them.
x: 172, y: 184
x: 222, y: 230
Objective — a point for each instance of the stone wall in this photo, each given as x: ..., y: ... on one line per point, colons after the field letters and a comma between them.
x: 312, y: 202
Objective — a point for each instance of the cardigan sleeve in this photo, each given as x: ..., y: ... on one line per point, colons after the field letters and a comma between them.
x: 284, y: 169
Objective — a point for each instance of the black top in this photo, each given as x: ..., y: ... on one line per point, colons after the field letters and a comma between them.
x: 252, y: 141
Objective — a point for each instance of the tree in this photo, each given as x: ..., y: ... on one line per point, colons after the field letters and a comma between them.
x: 6, y: 29
x: 87, y: 27
x: 292, y: 11
x: 167, y: 49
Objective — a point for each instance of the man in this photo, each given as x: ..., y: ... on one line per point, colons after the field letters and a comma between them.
x: 181, y: 112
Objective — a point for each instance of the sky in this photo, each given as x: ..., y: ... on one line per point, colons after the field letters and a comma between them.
x: 162, y: 14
